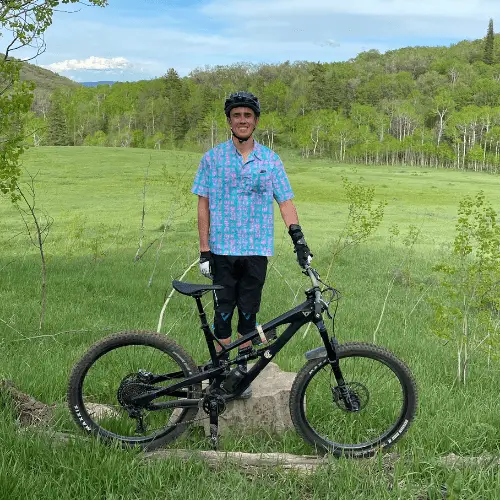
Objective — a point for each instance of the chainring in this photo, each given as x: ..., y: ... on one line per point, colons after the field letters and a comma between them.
x: 219, y: 399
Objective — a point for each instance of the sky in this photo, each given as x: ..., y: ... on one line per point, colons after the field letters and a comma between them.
x: 133, y: 40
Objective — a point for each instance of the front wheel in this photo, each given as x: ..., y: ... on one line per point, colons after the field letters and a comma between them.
x: 372, y: 411
x: 121, y: 367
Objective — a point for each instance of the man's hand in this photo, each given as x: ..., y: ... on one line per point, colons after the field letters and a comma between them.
x: 304, y: 255
x: 206, y: 264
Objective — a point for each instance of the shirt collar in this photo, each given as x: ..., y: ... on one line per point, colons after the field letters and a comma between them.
x: 256, y: 151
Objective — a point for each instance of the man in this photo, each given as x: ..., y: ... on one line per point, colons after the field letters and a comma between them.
x: 236, y: 183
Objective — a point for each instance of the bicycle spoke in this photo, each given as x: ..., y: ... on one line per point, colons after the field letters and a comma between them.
x: 371, y: 410
x: 104, y: 388
x: 377, y: 414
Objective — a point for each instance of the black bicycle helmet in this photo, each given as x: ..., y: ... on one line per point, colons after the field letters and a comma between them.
x: 246, y: 99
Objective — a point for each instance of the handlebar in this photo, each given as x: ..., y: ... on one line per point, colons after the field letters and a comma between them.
x: 313, y: 274
x: 318, y: 297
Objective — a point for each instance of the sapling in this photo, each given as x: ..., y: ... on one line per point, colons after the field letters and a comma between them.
x: 138, y: 254
x: 467, y: 311
x: 180, y: 205
x: 38, y: 231
x: 364, y: 216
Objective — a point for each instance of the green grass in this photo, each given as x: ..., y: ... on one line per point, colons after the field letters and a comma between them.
x: 95, y: 288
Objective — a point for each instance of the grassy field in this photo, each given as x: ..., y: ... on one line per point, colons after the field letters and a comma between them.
x: 95, y: 198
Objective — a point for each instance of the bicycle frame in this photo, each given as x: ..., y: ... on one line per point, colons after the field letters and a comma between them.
x: 309, y: 311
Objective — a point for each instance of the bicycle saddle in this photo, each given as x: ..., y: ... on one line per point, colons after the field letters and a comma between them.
x: 193, y: 289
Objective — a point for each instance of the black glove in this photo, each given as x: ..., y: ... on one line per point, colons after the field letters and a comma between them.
x: 206, y: 262
x: 304, y: 255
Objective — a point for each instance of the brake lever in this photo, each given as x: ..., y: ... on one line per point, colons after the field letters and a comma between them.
x: 326, y: 306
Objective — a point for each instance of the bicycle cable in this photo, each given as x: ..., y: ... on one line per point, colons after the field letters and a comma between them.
x: 335, y: 297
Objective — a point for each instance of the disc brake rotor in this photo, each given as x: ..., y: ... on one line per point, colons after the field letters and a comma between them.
x: 352, y: 397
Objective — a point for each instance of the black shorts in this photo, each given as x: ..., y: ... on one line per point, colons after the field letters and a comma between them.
x: 243, y: 279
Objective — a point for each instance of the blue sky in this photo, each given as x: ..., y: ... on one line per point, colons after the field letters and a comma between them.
x: 141, y: 39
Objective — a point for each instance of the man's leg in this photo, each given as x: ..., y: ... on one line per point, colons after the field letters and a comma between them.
x: 224, y: 274
x: 250, y: 293
x: 248, y: 302
x: 222, y: 328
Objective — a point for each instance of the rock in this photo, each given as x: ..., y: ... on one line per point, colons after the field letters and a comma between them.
x: 99, y: 411
x: 267, y: 408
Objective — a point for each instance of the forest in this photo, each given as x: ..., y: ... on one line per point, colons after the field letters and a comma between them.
x: 417, y: 106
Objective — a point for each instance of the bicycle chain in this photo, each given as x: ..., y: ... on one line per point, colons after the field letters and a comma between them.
x: 200, y: 407
x: 189, y: 422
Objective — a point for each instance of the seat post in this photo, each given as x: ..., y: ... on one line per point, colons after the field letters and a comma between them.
x: 201, y: 312
x: 206, y: 328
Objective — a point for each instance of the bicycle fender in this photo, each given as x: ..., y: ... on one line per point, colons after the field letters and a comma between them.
x: 319, y: 352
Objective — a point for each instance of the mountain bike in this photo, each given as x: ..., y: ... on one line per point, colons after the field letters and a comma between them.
x: 143, y: 389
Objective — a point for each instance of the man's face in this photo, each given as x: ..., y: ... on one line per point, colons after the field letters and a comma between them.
x: 242, y: 121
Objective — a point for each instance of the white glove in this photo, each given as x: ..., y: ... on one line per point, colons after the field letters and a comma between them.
x: 206, y: 264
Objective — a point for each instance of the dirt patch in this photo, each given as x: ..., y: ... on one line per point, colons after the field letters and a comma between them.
x: 28, y: 411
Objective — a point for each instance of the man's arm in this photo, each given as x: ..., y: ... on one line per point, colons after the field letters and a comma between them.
x: 203, y: 223
x: 289, y: 213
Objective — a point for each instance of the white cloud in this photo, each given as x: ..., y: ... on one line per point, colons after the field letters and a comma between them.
x: 267, y: 31
x: 92, y: 63
x: 329, y: 43
x: 432, y: 8
x: 374, y: 21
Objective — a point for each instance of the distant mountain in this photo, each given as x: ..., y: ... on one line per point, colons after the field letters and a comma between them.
x: 95, y: 84
x: 46, y: 81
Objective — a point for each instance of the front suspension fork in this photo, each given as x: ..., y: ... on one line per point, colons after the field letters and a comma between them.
x: 350, y: 400
x: 331, y: 352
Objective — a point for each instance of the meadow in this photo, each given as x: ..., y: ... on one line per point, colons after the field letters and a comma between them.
x: 95, y: 197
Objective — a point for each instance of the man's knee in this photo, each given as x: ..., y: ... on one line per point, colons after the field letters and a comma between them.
x: 222, y: 324
x: 246, y: 322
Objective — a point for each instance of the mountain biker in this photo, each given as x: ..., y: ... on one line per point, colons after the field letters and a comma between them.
x: 236, y: 182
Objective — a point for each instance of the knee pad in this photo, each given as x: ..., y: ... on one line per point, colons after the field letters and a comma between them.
x: 222, y: 324
x: 246, y: 322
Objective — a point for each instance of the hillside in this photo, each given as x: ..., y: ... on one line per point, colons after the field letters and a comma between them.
x: 45, y: 80
x: 425, y: 106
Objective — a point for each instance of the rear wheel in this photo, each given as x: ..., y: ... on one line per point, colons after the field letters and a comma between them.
x: 372, y: 412
x: 121, y: 367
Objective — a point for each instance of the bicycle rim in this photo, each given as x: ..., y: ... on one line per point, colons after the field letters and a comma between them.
x: 381, y: 386
x: 110, y: 381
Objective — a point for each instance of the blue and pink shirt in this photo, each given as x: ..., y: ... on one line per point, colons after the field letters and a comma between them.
x: 241, y: 198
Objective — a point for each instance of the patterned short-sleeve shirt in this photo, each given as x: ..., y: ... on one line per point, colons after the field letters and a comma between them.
x: 241, y: 198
